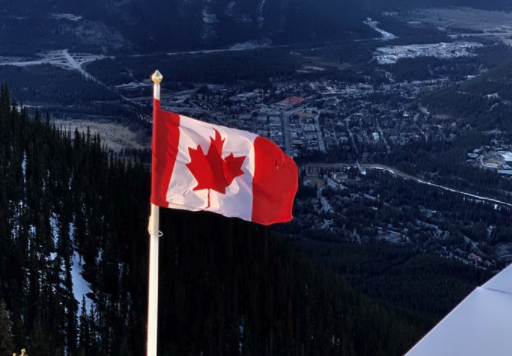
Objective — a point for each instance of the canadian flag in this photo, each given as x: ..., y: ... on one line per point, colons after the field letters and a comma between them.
x: 199, y: 166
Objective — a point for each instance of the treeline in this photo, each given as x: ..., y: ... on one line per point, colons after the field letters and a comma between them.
x: 221, y: 67
x: 227, y: 287
x: 47, y: 84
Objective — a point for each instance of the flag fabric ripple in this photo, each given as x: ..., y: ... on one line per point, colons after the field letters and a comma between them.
x: 198, y: 166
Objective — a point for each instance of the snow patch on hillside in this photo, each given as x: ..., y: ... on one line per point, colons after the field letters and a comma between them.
x: 80, y: 286
x: 24, y: 166
x: 55, y: 231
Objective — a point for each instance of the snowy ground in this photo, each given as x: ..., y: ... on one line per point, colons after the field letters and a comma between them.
x: 80, y: 286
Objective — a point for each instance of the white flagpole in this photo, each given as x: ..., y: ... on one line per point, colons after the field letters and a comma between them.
x: 154, y: 231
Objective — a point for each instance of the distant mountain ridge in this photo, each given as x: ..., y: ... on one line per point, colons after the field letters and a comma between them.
x: 192, y: 24
x: 155, y: 25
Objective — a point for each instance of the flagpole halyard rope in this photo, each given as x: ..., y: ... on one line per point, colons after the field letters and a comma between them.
x: 155, y: 233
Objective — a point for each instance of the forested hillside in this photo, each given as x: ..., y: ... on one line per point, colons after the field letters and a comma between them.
x: 412, y: 280
x: 227, y: 287
x: 485, y: 102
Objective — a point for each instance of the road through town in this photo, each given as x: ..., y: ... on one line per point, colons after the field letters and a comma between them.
x: 365, y: 166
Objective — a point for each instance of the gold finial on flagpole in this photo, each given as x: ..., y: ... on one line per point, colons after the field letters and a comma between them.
x: 157, y: 78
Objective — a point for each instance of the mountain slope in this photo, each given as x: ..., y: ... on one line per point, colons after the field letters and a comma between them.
x: 176, y: 24
x: 485, y: 101
x: 152, y: 25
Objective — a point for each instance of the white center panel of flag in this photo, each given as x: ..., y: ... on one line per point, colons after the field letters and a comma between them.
x: 237, y: 202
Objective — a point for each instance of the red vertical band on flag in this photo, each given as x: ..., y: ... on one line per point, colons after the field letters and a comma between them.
x: 166, y: 138
x: 275, y: 183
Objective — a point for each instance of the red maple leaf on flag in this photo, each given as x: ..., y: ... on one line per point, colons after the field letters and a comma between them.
x: 211, y: 170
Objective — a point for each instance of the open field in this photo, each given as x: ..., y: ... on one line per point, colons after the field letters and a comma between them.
x: 114, y: 135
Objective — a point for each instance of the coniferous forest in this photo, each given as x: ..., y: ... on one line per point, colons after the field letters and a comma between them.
x: 227, y: 287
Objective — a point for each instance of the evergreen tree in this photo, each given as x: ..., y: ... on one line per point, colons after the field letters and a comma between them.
x: 38, y: 343
x: 6, y: 344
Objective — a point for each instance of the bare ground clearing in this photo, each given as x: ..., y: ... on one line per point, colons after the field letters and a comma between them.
x: 115, y: 136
